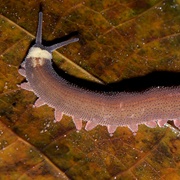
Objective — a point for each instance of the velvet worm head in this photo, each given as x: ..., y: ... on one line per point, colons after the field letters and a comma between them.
x: 40, y: 51
x: 153, y: 107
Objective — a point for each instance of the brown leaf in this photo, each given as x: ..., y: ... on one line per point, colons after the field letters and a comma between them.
x: 118, y: 40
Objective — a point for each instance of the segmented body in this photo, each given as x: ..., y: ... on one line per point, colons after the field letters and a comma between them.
x: 121, y: 109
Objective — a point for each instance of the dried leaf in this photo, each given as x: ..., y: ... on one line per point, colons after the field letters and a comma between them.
x: 118, y: 40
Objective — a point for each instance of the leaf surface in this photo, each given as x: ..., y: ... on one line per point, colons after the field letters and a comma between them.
x: 118, y: 40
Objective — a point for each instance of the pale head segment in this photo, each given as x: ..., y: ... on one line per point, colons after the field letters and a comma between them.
x: 39, y: 52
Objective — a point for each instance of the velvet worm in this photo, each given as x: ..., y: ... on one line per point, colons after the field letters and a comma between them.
x: 152, y: 107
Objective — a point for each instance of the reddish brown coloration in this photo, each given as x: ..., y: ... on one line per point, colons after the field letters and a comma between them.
x: 122, y: 109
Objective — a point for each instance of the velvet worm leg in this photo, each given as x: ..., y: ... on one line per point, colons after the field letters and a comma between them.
x: 97, y: 108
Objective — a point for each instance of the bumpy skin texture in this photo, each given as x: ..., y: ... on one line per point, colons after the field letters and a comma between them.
x: 120, y: 109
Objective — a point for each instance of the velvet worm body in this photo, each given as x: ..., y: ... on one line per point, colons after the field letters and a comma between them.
x: 152, y: 107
